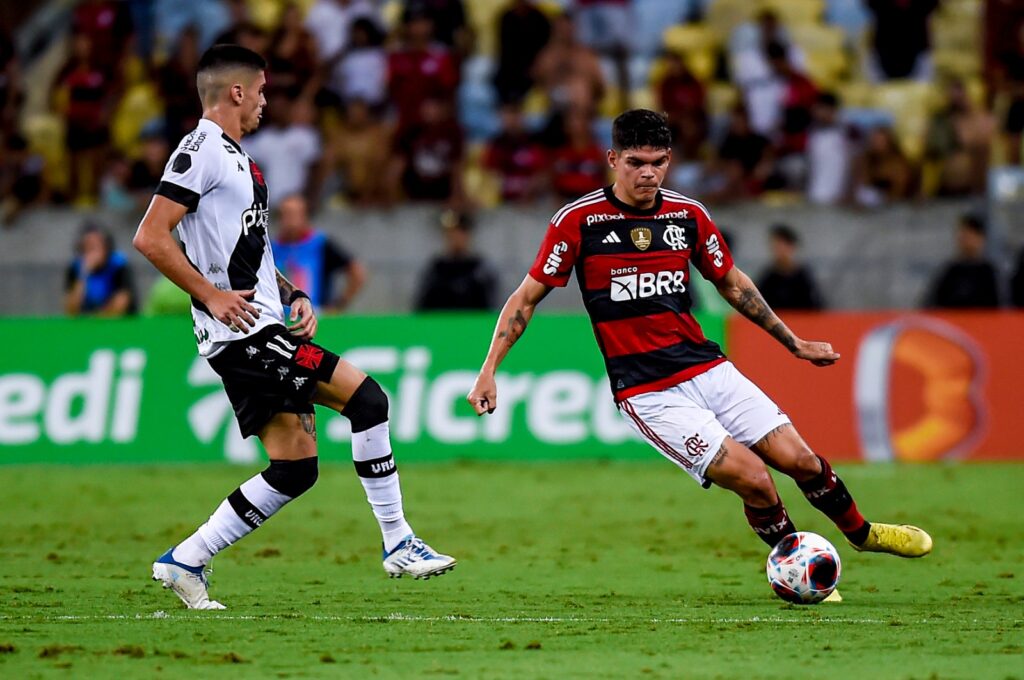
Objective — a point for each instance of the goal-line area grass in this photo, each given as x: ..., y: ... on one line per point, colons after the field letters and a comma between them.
x: 569, y: 569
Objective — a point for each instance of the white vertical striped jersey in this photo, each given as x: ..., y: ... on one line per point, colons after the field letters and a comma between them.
x: 225, y: 231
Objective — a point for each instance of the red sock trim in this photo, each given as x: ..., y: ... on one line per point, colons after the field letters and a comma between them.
x: 849, y: 521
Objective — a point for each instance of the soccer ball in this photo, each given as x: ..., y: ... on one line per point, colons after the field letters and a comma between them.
x: 803, y: 568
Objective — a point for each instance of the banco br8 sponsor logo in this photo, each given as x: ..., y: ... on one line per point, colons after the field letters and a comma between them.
x: 628, y: 283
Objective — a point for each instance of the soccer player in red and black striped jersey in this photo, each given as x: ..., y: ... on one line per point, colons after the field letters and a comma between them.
x: 632, y: 246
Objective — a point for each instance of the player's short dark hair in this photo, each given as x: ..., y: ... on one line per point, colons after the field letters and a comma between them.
x: 638, y: 128
x: 973, y: 222
x: 230, y: 56
x: 786, y: 234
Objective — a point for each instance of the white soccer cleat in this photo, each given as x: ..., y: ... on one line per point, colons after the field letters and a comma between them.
x: 188, y: 583
x: 417, y: 559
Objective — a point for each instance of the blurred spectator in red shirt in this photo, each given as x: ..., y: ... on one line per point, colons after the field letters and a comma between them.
x: 798, y: 98
x: 449, y: 19
x: 84, y: 94
x: 108, y: 26
x: 568, y: 71
x: 291, y: 61
x: 682, y: 97
x: 428, y: 162
x: 523, y: 31
x: 579, y: 165
x: 516, y: 156
x: 419, y: 68
x: 182, y: 108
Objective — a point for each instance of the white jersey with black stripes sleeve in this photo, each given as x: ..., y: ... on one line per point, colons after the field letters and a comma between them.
x: 225, y: 231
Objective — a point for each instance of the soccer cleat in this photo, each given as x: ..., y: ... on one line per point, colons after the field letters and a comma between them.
x: 188, y: 583
x: 417, y: 559
x: 833, y: 597
x: 897, y: 539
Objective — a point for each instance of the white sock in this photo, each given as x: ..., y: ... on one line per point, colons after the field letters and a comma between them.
x: 371, y: 451
x: 245, y: 509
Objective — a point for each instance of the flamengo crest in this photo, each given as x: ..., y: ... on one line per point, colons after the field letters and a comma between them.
x: 675, y: 237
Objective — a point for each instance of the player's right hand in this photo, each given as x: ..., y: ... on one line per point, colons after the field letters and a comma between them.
x: 484, y: 395
x: 232, y: 308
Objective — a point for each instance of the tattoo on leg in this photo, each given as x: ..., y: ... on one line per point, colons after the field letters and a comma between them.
x: 719, y: 457
x: 765, y: 441
x: 308, y: 421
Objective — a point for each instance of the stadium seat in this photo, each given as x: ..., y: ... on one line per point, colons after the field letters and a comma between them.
x: 649, y: 20
x: 698, y: 45
x: 795, y: 12
x: 265, y: 13
x: 45, y: 135
x: 140, y: 105
x: 480, y: 183
x: 816, y: 37
x: 963, y: 64
x: 724, y: 15
x: 827, y: 68
x: 483, y: 18
x: 722, y: 97
x: 685, y: 38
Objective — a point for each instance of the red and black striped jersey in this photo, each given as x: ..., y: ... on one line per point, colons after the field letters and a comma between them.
x: 633, y: 269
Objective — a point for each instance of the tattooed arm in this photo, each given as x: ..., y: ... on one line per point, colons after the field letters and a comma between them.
x: 512, y: 321
x: 302, y: 318
x: 740, y: 292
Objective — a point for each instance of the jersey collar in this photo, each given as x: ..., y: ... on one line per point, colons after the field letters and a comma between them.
x: 633, y: 210
x: 209, y: 125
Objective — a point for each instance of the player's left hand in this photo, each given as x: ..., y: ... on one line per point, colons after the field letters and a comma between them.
x: 303, y: 319
x: 818, y: 353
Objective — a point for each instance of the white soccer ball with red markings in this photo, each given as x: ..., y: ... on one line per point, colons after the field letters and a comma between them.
x: 804, y: 568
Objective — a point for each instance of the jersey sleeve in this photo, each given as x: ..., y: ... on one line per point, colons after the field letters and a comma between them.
x: 190, y: 174
x: 712, y: 255
x: 557, y: 254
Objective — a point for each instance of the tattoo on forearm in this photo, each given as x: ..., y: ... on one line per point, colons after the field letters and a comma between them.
x: 308, y: 421
x: 752, y: 305
x: 719, y: 457
x: 516, y: 328
x: 285, y: 287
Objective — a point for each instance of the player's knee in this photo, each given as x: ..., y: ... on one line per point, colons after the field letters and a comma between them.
x: 367, y: 407
x: 758, y: 489
x: 292, y: 477
x: 806, y: 464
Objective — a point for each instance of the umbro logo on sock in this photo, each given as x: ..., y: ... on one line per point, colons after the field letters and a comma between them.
x: 612, y: 237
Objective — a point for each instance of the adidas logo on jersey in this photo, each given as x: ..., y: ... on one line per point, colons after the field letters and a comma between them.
x: 612, y: 237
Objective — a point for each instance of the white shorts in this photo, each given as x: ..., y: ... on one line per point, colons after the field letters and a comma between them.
x: 688, y: 423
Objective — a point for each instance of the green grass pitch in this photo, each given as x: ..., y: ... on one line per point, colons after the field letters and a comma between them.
x: 566, y: 570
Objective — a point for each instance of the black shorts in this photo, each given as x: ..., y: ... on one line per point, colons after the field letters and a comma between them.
x: 271, y: 372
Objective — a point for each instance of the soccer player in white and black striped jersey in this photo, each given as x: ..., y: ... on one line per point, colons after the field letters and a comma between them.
x: 216, y: 196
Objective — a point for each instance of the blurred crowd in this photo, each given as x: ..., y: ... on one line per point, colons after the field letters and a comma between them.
x: 473, y: 102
